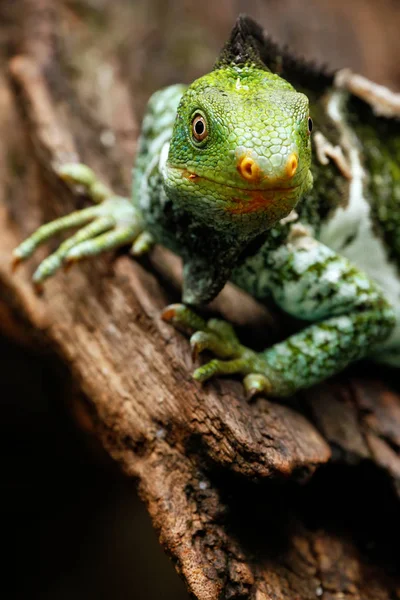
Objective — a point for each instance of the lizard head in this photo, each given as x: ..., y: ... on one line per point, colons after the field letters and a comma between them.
x: 239, y: 158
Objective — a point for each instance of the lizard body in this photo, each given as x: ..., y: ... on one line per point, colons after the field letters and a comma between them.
x: 224, y: 178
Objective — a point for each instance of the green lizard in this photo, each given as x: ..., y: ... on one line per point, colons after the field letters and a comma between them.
x: 224, y: 178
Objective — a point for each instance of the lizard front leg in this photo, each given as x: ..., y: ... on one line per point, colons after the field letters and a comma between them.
x: 349, y: 315
x: 114, y: 222
x: 218, y: 337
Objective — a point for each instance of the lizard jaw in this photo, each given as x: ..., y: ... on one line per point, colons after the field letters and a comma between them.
x: 189, y: 175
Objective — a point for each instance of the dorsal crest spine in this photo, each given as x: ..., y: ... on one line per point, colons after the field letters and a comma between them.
x: 244, y: 46
x: 249, y: 45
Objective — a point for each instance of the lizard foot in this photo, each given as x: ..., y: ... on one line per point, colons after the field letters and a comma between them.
x: 112, y: 223
x: 219, y: 337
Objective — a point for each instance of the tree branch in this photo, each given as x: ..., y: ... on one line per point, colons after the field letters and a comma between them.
x: 103, y: 320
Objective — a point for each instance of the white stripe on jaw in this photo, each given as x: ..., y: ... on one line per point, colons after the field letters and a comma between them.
x: 157, y: 150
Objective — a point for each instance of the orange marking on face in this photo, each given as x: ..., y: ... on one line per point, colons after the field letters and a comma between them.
x: 291, y: 165
x: 257, y: 201
x: 249, y: 169
x: 188, y: 175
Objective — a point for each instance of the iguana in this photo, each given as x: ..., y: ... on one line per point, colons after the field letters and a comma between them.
x: 224, y: 177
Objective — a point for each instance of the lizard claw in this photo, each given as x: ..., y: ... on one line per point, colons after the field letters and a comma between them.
x: 15, y: 262
x: 255, y: 384
x: 209, y: 340
x: 183, y: 318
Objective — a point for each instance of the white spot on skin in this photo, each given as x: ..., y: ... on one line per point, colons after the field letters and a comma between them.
x: 344, y: 323
x: 333, y: 273
x: 345, y: 221
x: 350, y: 230
x: 163, y: 158
x: 239, y: 85
x: 302, y: 261
x: 157, y: 150
x: 156, y: 130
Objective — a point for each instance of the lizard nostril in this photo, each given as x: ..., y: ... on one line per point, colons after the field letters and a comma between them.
x: 248, y: 168
x: 291, y: 165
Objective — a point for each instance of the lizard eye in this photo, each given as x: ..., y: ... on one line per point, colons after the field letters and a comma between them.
x: 199, y: 127
x: 310, y: 125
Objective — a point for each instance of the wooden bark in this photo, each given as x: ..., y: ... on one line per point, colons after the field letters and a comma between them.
x: 223, y: 480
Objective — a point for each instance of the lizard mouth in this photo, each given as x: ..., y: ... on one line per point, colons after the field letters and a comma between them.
x: 257, y: 199
x: 194, y: 177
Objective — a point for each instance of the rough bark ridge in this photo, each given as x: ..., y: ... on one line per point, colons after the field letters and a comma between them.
x: 220, y: 477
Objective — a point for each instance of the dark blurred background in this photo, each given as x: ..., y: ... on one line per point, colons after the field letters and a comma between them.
x: 173, y: 40
x: 74, y: 526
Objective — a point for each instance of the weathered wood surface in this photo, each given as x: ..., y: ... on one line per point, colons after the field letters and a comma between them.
x: 221, y: 478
